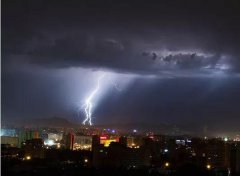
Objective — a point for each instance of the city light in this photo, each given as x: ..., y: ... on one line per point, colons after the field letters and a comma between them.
x: 167, y: 164
x: 49, y: 142
x: 103, y: 137
x: 28, y: 157
x: 85, y: 160
x: 208, y: 166
x: 165, y: 150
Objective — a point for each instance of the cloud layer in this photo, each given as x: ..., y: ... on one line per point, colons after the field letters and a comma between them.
x: 138, y: 36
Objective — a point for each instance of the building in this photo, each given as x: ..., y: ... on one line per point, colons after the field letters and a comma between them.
x: 118, y: 155
x: 7, y: 151
x: 33, y: 148
x: 235, y: 159
x: 56, y: 137
x: 8, y: 132
x: 82, y: 142
x: 69, y: 141
x: 123, y: 141
x: 134, y: 141
x: 25, y: 135
x: 106, y: 140
x: 53, y: 140
x: 12, y: 141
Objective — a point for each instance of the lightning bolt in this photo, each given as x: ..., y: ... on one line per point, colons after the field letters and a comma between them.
x: 88, y: 103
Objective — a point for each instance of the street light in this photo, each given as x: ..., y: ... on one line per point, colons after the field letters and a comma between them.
x: 167, y: 164
x: 28, y: 157
x: 208, y: 166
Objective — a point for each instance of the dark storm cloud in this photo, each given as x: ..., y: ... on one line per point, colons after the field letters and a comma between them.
x: 128, y: 36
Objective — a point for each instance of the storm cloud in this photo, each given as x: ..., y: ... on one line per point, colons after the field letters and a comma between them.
x: 124, y: 36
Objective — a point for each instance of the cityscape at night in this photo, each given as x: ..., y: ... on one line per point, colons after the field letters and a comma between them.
x: 120, y: 87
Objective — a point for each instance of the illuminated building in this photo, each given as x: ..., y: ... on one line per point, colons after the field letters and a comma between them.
x: 55, y: 136
x: 134, y: 141
x: 106, y: 140
x: 12, y: 141
x: 82, y: 142
x: 78, y: 142
x: 53, y: 140
x: 49, y: 142
x: 8, y: 132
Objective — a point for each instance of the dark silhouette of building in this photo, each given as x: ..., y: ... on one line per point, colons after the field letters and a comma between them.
x: 123, y: 141
x: 33, y: 148
x: 118, y: 155
x: 235, y: 159
x: 69, y: 141
x: 25, y: 135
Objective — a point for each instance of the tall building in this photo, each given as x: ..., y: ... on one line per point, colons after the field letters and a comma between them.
x: 235, y: 159
x: 95, y: 140
x: 69, y: 141
x: 25, y: 135
x: 123, y: 141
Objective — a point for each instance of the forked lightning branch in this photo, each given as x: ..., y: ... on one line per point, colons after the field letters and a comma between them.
x: 88, y: 104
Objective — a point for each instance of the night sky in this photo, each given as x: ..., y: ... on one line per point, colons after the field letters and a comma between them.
x: 165, y: 62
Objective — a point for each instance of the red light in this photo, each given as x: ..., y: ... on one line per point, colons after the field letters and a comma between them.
x: 103, y: 137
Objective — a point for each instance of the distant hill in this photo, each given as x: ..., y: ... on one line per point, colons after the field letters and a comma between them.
x: 41, y: 122
x: 123, y: 127
x: 52, y: 122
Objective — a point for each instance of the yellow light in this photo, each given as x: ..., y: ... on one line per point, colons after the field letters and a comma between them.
x: 107, y: 142
x: 166, y: 164
x: 208, y: 166
x: 86, y: 160
x: 28, y: 157
x: 225, y: 139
